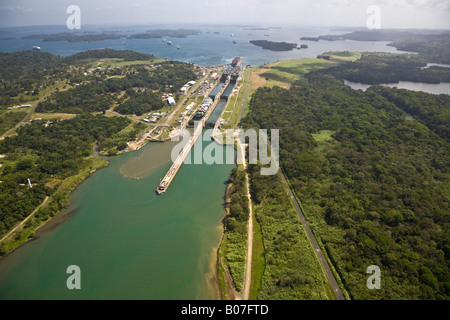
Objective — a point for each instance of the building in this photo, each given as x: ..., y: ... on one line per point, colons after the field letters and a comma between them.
x: 25, y: 105
x: 184, y: 89
x: 191, y: 83
x: 190, y: 106
x: 171, y: 101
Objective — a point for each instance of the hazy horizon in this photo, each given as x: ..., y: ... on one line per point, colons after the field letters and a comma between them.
x: 397, y: 14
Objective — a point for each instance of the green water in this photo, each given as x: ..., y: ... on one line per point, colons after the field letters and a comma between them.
x: 128, y: 242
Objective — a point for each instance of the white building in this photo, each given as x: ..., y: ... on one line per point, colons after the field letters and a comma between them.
x: 171, y: 101
x: 190, y: 106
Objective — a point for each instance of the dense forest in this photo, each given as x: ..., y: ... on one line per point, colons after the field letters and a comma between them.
x: 380, y: 68
x: 96, y: 94
x: 433, y: 43
x: 90, y: 97
x: 374, y: 185
x: 274, y: 46
x: 46, y: 154
x: 126, y: 55
x: 140, y: 103
x: 432, y: 110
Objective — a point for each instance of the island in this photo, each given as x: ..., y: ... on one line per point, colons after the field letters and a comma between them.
x: 74, y: 37
x: 274, y: 46
x: 159, y: 33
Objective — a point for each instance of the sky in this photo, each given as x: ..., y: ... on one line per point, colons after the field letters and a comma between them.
x: 429, y: 14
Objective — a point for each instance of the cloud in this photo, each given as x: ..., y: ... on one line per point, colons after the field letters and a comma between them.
x: 398, y: 13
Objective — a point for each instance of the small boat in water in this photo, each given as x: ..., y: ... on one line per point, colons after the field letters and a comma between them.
x: 178, y: 47
x: 169, y: 43
x: 36, y: 48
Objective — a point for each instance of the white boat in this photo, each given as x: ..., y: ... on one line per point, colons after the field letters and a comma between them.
x: 36, y: 48
x: 169, y: 42
x: 163, y: 40
x: 178, y: 47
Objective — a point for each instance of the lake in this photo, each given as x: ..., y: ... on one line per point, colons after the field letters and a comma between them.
x: 433, y: 88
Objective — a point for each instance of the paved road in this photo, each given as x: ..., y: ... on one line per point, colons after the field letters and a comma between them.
x: 30, y: 112
x: 248, y: 263
x: 246, y: 93
x: 25, y: 220
x: 312, y: 239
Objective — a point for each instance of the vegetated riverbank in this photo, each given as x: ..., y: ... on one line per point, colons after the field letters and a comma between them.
x: 57, y: 202
x: 232, y: 250
x: 56, y: 160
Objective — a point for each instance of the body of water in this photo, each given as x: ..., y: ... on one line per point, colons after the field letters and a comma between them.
x: 433, y: 88
x: 128, y: 242
x: 213, y: 46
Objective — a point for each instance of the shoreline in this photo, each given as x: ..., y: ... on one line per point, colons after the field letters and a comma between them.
x: 33, y: 232
x: 229, y: 285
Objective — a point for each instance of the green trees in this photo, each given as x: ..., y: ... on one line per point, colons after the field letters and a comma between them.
x: 44, y: 154
x: 236, y: 226
x: 292, y: 270
x: 388, y: 68
x: 140, y: 103
x: 377, y: 191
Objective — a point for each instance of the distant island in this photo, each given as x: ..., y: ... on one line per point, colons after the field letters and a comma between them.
x: 274, y: 46
x: 310, y: 38
x: 420, y: 41
x: 73, y: 37
x: 256, y: 28
x: 159, y: 33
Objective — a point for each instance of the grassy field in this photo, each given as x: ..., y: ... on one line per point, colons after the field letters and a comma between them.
x: 236, y: 104
x: 49, y: 116
x: 281, y: 74
x: 343, y: 55
x: 258, y: 261
x: 117, y: 62
x: 323, y: 135
x: 291, y: 71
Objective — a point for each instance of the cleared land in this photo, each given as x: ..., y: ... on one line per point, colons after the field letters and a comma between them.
x: 343, y: 56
